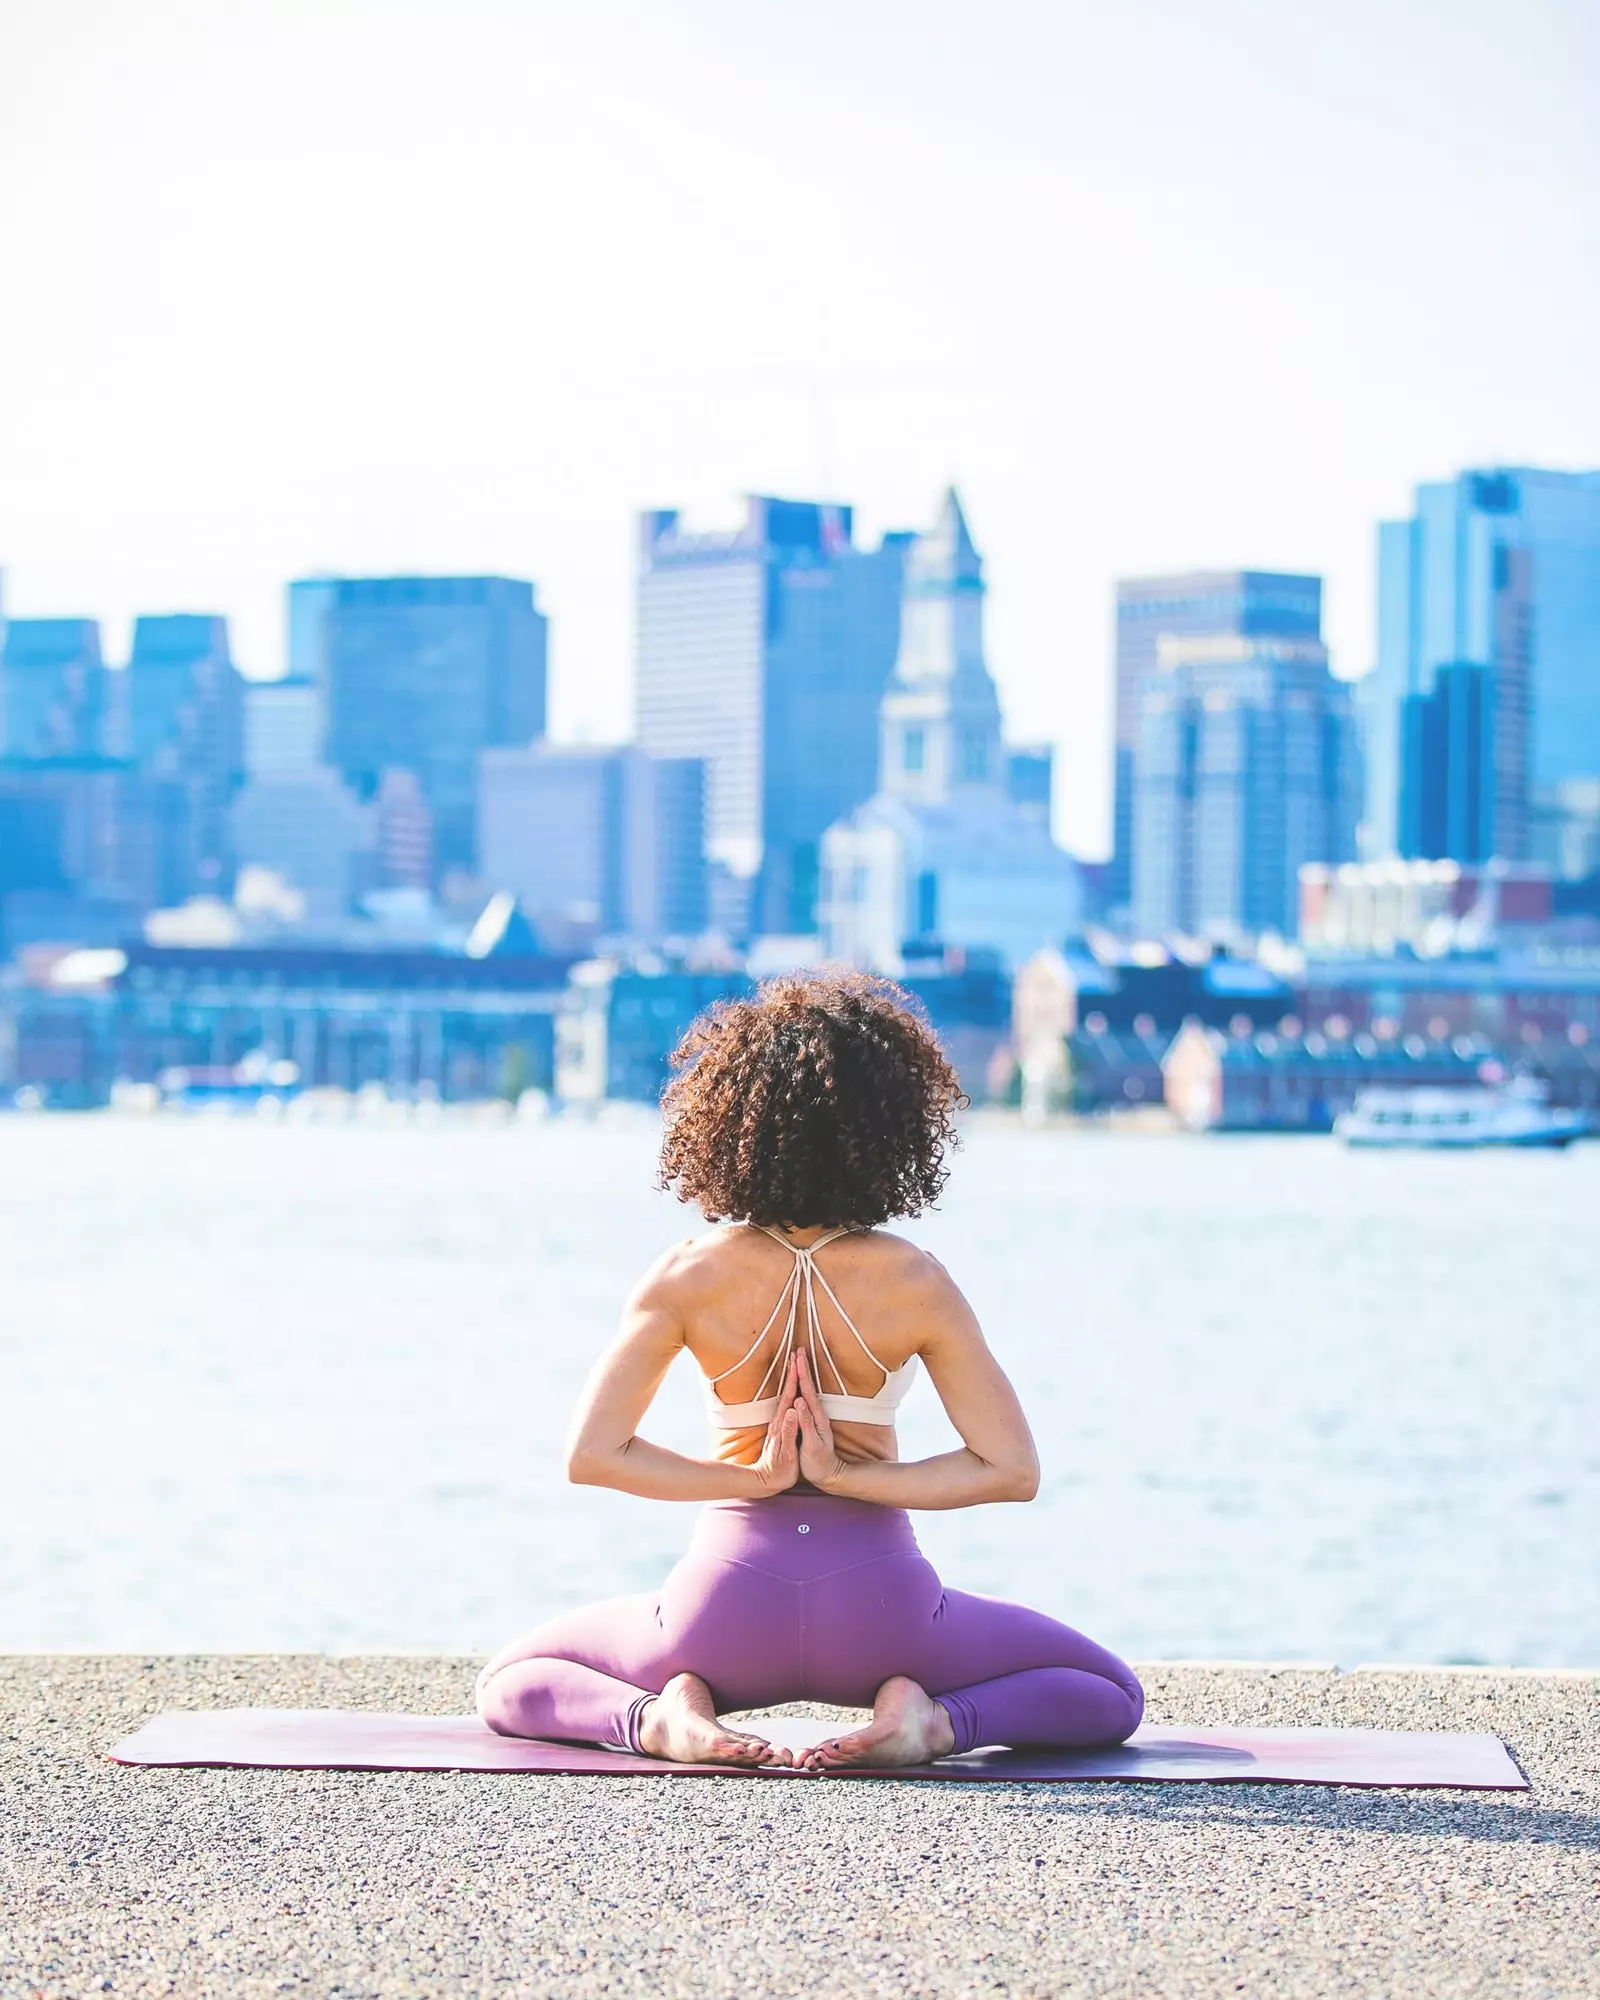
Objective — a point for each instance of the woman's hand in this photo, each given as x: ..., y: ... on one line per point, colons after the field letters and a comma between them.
x: 820, y: 1462
x: 778, y: 1467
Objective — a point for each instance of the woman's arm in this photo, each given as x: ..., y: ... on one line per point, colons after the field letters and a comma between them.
x: 604, y: 1448
x: 997, y: 1460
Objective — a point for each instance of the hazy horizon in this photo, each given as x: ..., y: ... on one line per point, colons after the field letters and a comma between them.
x: 373, y: 289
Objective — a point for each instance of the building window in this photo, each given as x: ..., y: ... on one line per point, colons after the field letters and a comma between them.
x: 927, y: 904
x: 974, y: 757
x: 913, y: 749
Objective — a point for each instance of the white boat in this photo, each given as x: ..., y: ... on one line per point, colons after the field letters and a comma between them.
x: 1517, y: 1113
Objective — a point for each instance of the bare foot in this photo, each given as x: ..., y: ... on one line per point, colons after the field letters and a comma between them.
x: 681, y: 1726
x: 908, y: 1727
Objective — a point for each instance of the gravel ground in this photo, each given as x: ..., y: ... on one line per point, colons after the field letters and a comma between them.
x: 244, y: 1883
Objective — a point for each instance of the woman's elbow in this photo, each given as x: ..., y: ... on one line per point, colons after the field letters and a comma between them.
x: 1019, y: 1481
x: 586, y: 1466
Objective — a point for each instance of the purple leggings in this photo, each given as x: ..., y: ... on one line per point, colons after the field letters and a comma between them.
x: 805, y: 1597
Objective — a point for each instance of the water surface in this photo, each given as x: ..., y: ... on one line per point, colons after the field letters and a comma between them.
x: 305, y: 1386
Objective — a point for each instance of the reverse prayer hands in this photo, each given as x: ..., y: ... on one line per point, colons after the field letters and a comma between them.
x: 799, y: 1442
x: 820, y: 1462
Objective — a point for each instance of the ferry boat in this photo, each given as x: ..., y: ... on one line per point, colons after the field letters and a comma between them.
x: 1456, y: 1118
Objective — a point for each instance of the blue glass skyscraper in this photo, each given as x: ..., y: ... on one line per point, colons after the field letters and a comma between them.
x: 1482, y: 712
x: 183, y: 720
x: 1206, y: 604
x: 1247, y: 769
x: 53, y: 689
x: 766, y: 651
x: 422, y: 674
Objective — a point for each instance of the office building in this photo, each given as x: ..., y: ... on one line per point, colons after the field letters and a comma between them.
x: 308, y: 827
x: 764, y: 652
x: 596, y: 842
x: 1030, y: 779
x: 405, y: 831
x: 93, y: 829
x: 1211, y: 604
x: 183, y: 721
x: 422, y: 674
x: 1481, y: 715
x: 1462, y: 793
x: 1246, y: 770
x: 283, y: 727
x: 54, y: 696
x: 942, y: 859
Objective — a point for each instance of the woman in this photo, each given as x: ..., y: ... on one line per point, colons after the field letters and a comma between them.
x: 803, y: 1120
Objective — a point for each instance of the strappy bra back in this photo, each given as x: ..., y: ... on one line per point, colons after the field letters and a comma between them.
x: 802, y: 1325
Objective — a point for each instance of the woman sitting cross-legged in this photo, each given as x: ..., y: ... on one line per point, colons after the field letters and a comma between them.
x: 803, y: 1121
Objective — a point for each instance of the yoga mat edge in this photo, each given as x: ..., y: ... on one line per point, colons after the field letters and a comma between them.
x: 355, y: 1740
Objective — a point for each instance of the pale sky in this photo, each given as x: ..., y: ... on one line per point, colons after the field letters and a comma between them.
x: 451, y: 285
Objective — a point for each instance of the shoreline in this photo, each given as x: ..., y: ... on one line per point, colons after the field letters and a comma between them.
x: 248, y: 1882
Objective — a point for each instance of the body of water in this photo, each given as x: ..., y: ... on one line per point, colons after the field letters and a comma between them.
x: 268, y: 1387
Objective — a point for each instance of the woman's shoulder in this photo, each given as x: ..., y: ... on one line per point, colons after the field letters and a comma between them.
x: 895, y: 1261
x: 707, y: 1261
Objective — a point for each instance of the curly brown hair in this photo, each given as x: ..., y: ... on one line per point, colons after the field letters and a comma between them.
x: 825, y: 1100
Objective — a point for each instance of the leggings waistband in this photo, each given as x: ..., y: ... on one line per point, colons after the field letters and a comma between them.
x: 801, y: 1535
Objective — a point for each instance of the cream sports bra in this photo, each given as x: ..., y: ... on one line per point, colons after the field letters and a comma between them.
x: 801, y: 1284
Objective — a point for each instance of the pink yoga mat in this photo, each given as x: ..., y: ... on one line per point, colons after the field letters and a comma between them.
x: 308, y: 1739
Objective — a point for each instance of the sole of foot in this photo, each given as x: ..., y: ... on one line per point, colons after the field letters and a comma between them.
x: 680, y: 1726
x: 908, y: 1727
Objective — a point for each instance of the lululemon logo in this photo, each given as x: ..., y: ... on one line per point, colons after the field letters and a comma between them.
x: 803, y: 1529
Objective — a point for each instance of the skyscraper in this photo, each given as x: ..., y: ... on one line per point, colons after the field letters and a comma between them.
x: 596, y: 842
x: 1498, y: 572
x: 53, y: 689
x: 1205, y: 604
x: 943, y: 855
x: 80, y: 826
x: 421, y: 674
x: 765, y: 652
x: 184, y: 721
x: 296, y: 815
x: 1246, y: 769
x: 283, y: 727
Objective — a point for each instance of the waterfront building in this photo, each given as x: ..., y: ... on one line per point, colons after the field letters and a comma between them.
x: 618, y: 1025
x: 764, y: 652
x: 284, y: 726
x: 1203, y: 604
x: 1429, y: 908
x: 183, y: 700
x: 1100, y: 1071
x: 1481, y: 715
x: 596, y: 842
x: 942, y: 856
x: 1247, y: 769
x: 1540, y: 983
x: 422, y: 674
x: 54, y: 694
x: 1091, y: 1020
x: 418, y: 1023
x: 1119, y: 989
x: 1300, y: 1082
x: 620, y: 1022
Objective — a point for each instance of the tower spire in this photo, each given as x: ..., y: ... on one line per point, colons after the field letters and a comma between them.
x: 941, y: 716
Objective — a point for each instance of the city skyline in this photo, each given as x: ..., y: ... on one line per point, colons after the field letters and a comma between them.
x: 763, y: 650
x: 1156, y: 289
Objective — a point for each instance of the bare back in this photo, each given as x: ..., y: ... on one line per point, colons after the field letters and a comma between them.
x: 893, y: 1296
